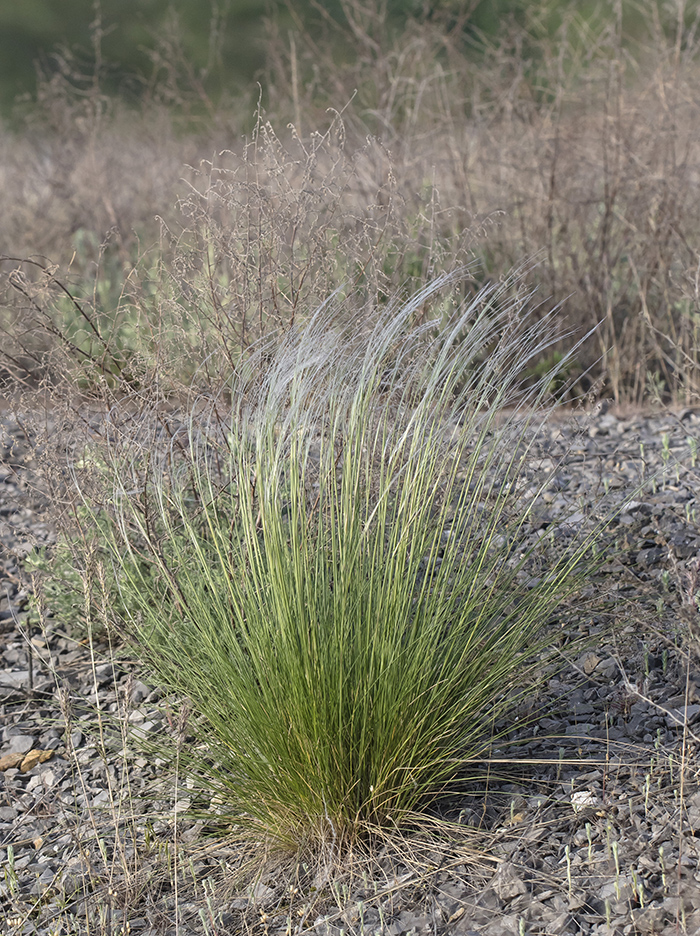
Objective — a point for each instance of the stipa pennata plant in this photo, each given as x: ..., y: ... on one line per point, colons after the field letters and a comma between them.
x: 336, y: 556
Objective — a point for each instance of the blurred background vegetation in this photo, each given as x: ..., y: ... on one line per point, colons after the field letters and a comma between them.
x: 224, y: 40
x: 228, y: 164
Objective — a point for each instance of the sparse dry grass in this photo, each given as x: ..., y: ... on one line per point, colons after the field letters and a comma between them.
x: 584, y: 145
x: 581, y: 147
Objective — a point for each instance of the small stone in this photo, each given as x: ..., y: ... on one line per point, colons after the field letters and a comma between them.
x: 21, y: 744
x: 608, y: 669
x: 506, y: 883
x: 43, y: 882
x: 8, y: 761
x: 651, y: 556
x: 17, y: 679
x: 563, y: 923
x: 410, y: 922
x: 262, y: 891
x: 649, y: 919
x: 680, y: 716
x: 583, y: 799
x: 137, y: 923
x: 617, y: 891
x: 33, y: 758
x: 104, y: 673
x: 588, y: 662
x: 579, y: 731
x: 139, y: 692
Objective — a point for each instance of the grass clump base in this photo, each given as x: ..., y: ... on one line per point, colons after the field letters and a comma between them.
x: 327, y: 569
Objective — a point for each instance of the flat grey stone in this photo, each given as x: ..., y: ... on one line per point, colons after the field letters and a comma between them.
x: 20, y: 744
x: 14, y: 679
x: 506, y: 882
x: 677, y: 717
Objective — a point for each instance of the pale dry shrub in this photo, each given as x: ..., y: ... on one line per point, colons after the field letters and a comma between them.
x: 583, y: 144
x: 578, y: 145
x: 261, y: 237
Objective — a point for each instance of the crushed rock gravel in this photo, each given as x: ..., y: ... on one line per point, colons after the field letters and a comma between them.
x: 586, y: 820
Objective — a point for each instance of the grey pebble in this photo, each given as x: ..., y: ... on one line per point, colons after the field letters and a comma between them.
x: 19, y: 744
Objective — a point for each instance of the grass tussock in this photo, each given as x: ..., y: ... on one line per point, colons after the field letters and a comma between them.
x: 326, y: 567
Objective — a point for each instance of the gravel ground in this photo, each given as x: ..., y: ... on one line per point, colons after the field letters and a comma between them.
x: 587, y: 820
